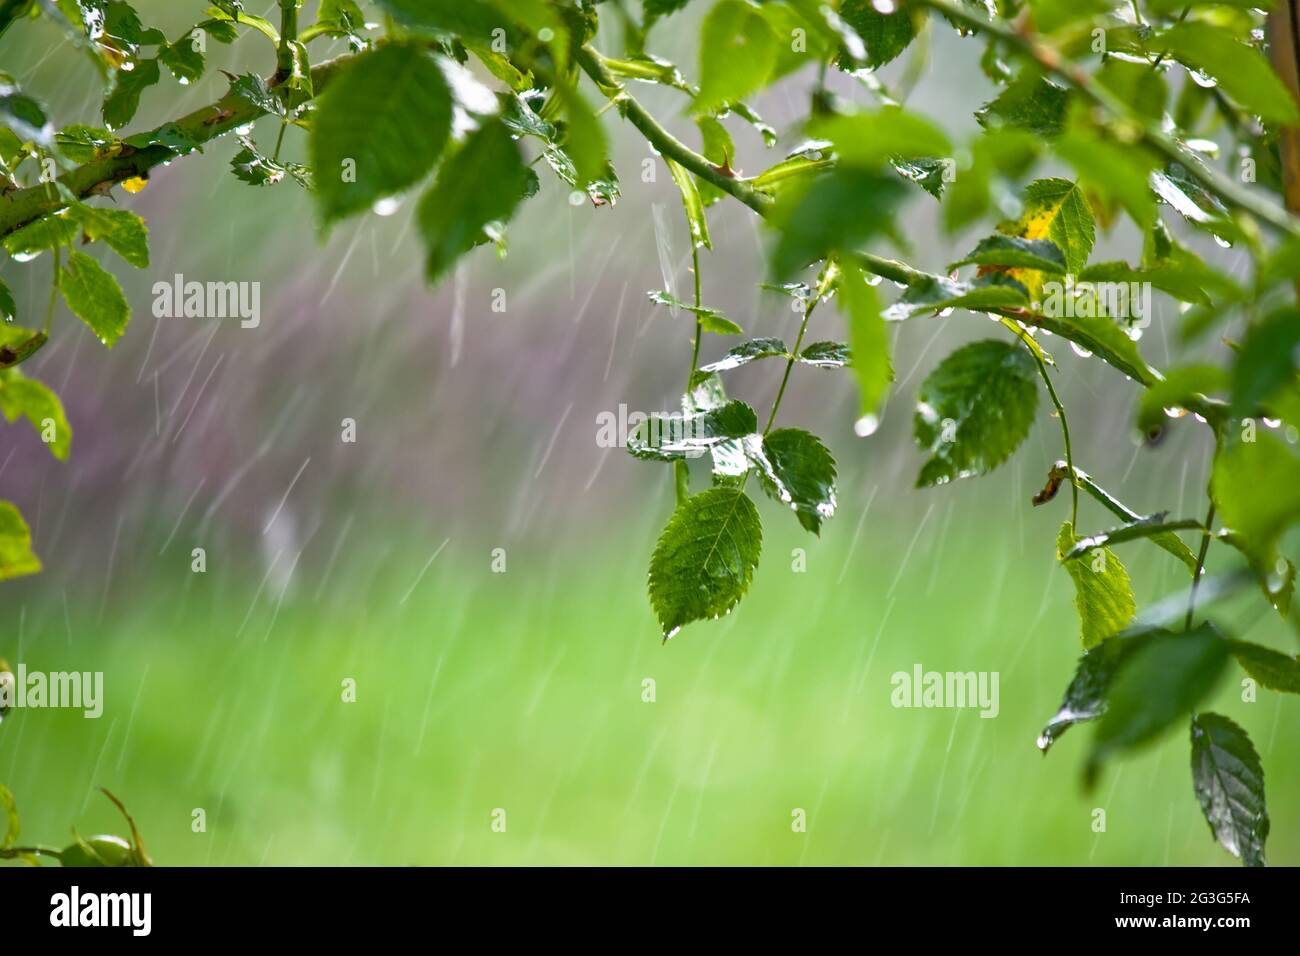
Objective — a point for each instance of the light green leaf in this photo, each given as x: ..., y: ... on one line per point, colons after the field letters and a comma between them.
x: 16, y: 557
x: 47, y: 232
x: 693, y: 204
x: 123, y: 231
x: 1101, y: 335
x: 737, y: 53
x: 1240, y: 69
x: 379, y: 128
x: 94, y: 296
x: 22, y: 397
x: 1033, y: 104
x: 974, y: 410
x: 183, y: 59
x: 480, y: 183
x: 1103, y: 595
x: 797, y: 470
x: 838, y: 212
x: 1180, y: 385
x: 1114, y: 171
x: 869, y: 138
x: 1268, y: 667
x: 1256, y: 486
x: 1229, y: 783
x: 585, y: 142
x: 1162, y: 682
x: 711, y: 320
x: 869, y: 340
x: 705, y: 558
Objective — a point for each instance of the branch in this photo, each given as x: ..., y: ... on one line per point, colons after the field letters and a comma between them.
x: 593, y: 64
x: 98, y: 176
x: 1049, y: 59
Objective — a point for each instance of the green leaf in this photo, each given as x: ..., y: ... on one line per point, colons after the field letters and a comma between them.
x: 252, y: 89
x: 747, y: 352
x: 1266, y: 361
x: 688, y: 435
x: 94, y: 296
x: 120, y: 104
x: 22, y: 115
x: 8, y: 308
x: 705, y: 558
x: 1103, y: 595
x: 1013, y: 252
x: 183, y: 58
x: 12, y: 825
x: 123, y: 231
x: 379, y: 128
x: 22, y: 397
x: 1085, y: 698
x: 18, y: 344
x: 837, y: 212
x: 938, y: 293
x: 1269, y: 668
x: 1117, y: 172
x: 869, y: 138
x: 797, y: 470
x: 869, y: 340
x: 886, y: 35
x: 737, y: 53
x: 472, y: 20
x: 48, y: 232
x: 693, y: 204
x: 1180, y: 386
x: 1256, y: 486
x: 1229, y: 783
x: 826, y: 355
x: 1162, y: 682
x: 717, y: 149
x: 929, y: 174
x: 1056, y: 209
x: 1033, y: 103
x: 1240, y: 69
x: 974, y: 410
x: 81, y: 144
x: 479, y: 184
x: 1101, y: 336
x: 711, y: 320
x: 585, y: 142
x: 16, y: 557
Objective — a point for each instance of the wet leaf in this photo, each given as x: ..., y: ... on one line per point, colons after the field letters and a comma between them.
x: 1229, y: 783
x: 1103, y: 595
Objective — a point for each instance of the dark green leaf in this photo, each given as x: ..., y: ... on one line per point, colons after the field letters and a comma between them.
x: 124, y: 231
x: 379, y: 128
x: 826, y: 355
x: 689, y: 435
x: 479, y: 184
x: 1229, y: 783
x: 1034, y: 104
x: 1270, y: 669
x: 120, y: 105
x: 840, y: 211
x: 1041, y: 255
x: 886, y: 35
x: 797, y: 470
x: 1161, y: 683
x: 747, y: 352
x: 974, y: 410
x: 94, y: 296
x: 1085, y: 698
x: 705, y: 558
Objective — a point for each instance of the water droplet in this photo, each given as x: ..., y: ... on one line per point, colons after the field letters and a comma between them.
x: 873, y: 279
x: 244, y: 130
x: 1080, y: 351
x: 184, y: 81
x: 577, y: 197
x: 127, y: 66
x: 25, y: 256
x: 387, y: 206
x: 1200, y: 79
x: 884, y: 6
x: 866, y: 426
x: 1223, y: 243
x: 1134, y: 332
x: 1175, y: 412
x: 944, y: 313
x: 1271, y: 422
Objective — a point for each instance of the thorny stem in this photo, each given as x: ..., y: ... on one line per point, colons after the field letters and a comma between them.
x: 1200, y: 565
x: 1065, y: 438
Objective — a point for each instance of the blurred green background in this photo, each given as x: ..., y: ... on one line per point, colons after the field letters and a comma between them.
x: 476, y: 430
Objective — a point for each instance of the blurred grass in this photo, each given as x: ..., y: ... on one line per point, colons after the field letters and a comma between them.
x: 523, y: 691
